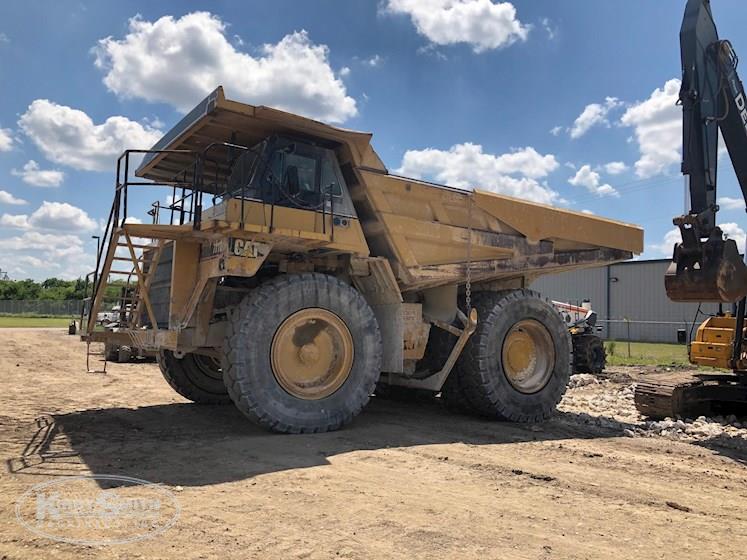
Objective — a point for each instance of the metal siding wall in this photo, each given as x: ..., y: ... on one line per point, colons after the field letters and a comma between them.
x: 576, y: 286
x: 639, y: 295
x: 636, y: 293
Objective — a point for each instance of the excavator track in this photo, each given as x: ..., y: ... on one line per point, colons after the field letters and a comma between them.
x: 691, y: 394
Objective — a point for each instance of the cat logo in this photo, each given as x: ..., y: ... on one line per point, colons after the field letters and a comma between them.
x: 244, y: 248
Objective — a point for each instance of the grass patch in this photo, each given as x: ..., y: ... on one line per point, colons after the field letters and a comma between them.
x: 646, y: 354
x: 11, y: 321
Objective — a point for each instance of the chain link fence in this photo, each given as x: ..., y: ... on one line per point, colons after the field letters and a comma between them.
x: 673, y: 332
x: 41, y: 307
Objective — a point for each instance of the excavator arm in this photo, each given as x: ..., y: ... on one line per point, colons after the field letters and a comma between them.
x: 707, y: 267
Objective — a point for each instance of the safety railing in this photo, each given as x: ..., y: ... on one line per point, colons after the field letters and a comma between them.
x: 207, y: 173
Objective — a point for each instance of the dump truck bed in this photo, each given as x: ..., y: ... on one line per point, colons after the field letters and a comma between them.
x: 431, y: 234
x: 434, y: 233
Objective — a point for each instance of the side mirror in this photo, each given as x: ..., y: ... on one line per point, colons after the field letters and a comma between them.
x: 291, y: 181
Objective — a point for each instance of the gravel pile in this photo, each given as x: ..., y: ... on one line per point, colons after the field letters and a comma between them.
x: 599, y: 401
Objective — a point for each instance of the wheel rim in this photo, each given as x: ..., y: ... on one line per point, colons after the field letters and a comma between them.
x: 312, y: 354
x: 209, y: 366
x: 528, y: 356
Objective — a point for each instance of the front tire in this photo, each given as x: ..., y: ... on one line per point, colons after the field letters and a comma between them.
x: 517, y: 364
x: 302, y: 354
x: 195, y: 377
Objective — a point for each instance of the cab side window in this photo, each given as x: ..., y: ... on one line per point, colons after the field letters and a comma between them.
x: 330, y: 181
x: 305, y: 170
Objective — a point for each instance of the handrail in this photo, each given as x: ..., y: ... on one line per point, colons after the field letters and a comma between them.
x: 190, y: 203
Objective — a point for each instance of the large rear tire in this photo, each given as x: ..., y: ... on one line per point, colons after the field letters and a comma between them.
x: 302, y: 354
x: 195, y: 377
x: 517, y: 364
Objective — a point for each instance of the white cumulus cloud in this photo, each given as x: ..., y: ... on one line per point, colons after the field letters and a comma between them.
x: 467, y: 166
x: 70, y: 137
x: 8, y: 198
x: 43, y: 255
x: 32, y: 174
x: 593, y: 114
x: 15, y: 221
x: 667, y: 244
x: 735, y: 232
x: 52, y: 216
x: 657, y: 124
x: 590, y: 180
x: 61, y: 216
x: 728, y: 203
x: 6, y: 139
x: 180, y: 60
x: 615, y: 167
x: 483, y: 24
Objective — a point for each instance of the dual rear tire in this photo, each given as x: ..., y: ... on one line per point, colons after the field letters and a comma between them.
x: 195, y: 377
x: 517, y: 364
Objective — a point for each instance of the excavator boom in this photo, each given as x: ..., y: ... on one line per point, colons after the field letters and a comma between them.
x: 707, y: 267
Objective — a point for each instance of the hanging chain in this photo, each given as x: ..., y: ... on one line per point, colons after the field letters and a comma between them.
x: 468, y: 283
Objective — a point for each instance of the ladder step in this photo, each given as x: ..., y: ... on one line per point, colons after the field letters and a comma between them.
x: 136, y: 246
x: 128, y: 259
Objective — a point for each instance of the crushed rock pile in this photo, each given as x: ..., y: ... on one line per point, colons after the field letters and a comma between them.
x: 600, y: 401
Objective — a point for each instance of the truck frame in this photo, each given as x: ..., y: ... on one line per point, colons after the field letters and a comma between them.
x: 289, y: 272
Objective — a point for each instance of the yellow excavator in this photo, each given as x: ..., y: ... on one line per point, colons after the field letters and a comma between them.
x: 706, y: 267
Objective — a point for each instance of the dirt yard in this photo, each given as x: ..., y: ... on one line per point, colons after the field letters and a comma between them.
x: 403, y: 481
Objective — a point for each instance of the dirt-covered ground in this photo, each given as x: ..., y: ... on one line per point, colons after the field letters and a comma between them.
x: 403, y: 481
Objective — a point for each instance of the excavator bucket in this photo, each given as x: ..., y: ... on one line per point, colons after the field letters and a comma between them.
x: 722, y: 279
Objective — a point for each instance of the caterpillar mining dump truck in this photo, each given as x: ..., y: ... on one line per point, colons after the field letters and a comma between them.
x: 707, y: 267
x: 294, y: 272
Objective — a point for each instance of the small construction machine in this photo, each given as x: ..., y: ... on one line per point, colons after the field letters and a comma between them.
x: 707, y: 267
x: 290, y: 273
x: 589, y: 355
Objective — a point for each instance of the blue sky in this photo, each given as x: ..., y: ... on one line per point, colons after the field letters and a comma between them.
x: 530, y: 98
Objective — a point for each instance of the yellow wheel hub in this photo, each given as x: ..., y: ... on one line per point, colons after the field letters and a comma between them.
x: 312, y: 353
x: 528, y: 356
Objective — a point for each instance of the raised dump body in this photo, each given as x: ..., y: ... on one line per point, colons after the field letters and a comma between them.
x: 293, y: 270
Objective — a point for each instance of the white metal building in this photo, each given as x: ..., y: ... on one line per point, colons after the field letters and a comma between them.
x: 629, y: 299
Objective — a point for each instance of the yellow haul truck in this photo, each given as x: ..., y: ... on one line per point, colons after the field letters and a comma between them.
x: 290, y: 272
